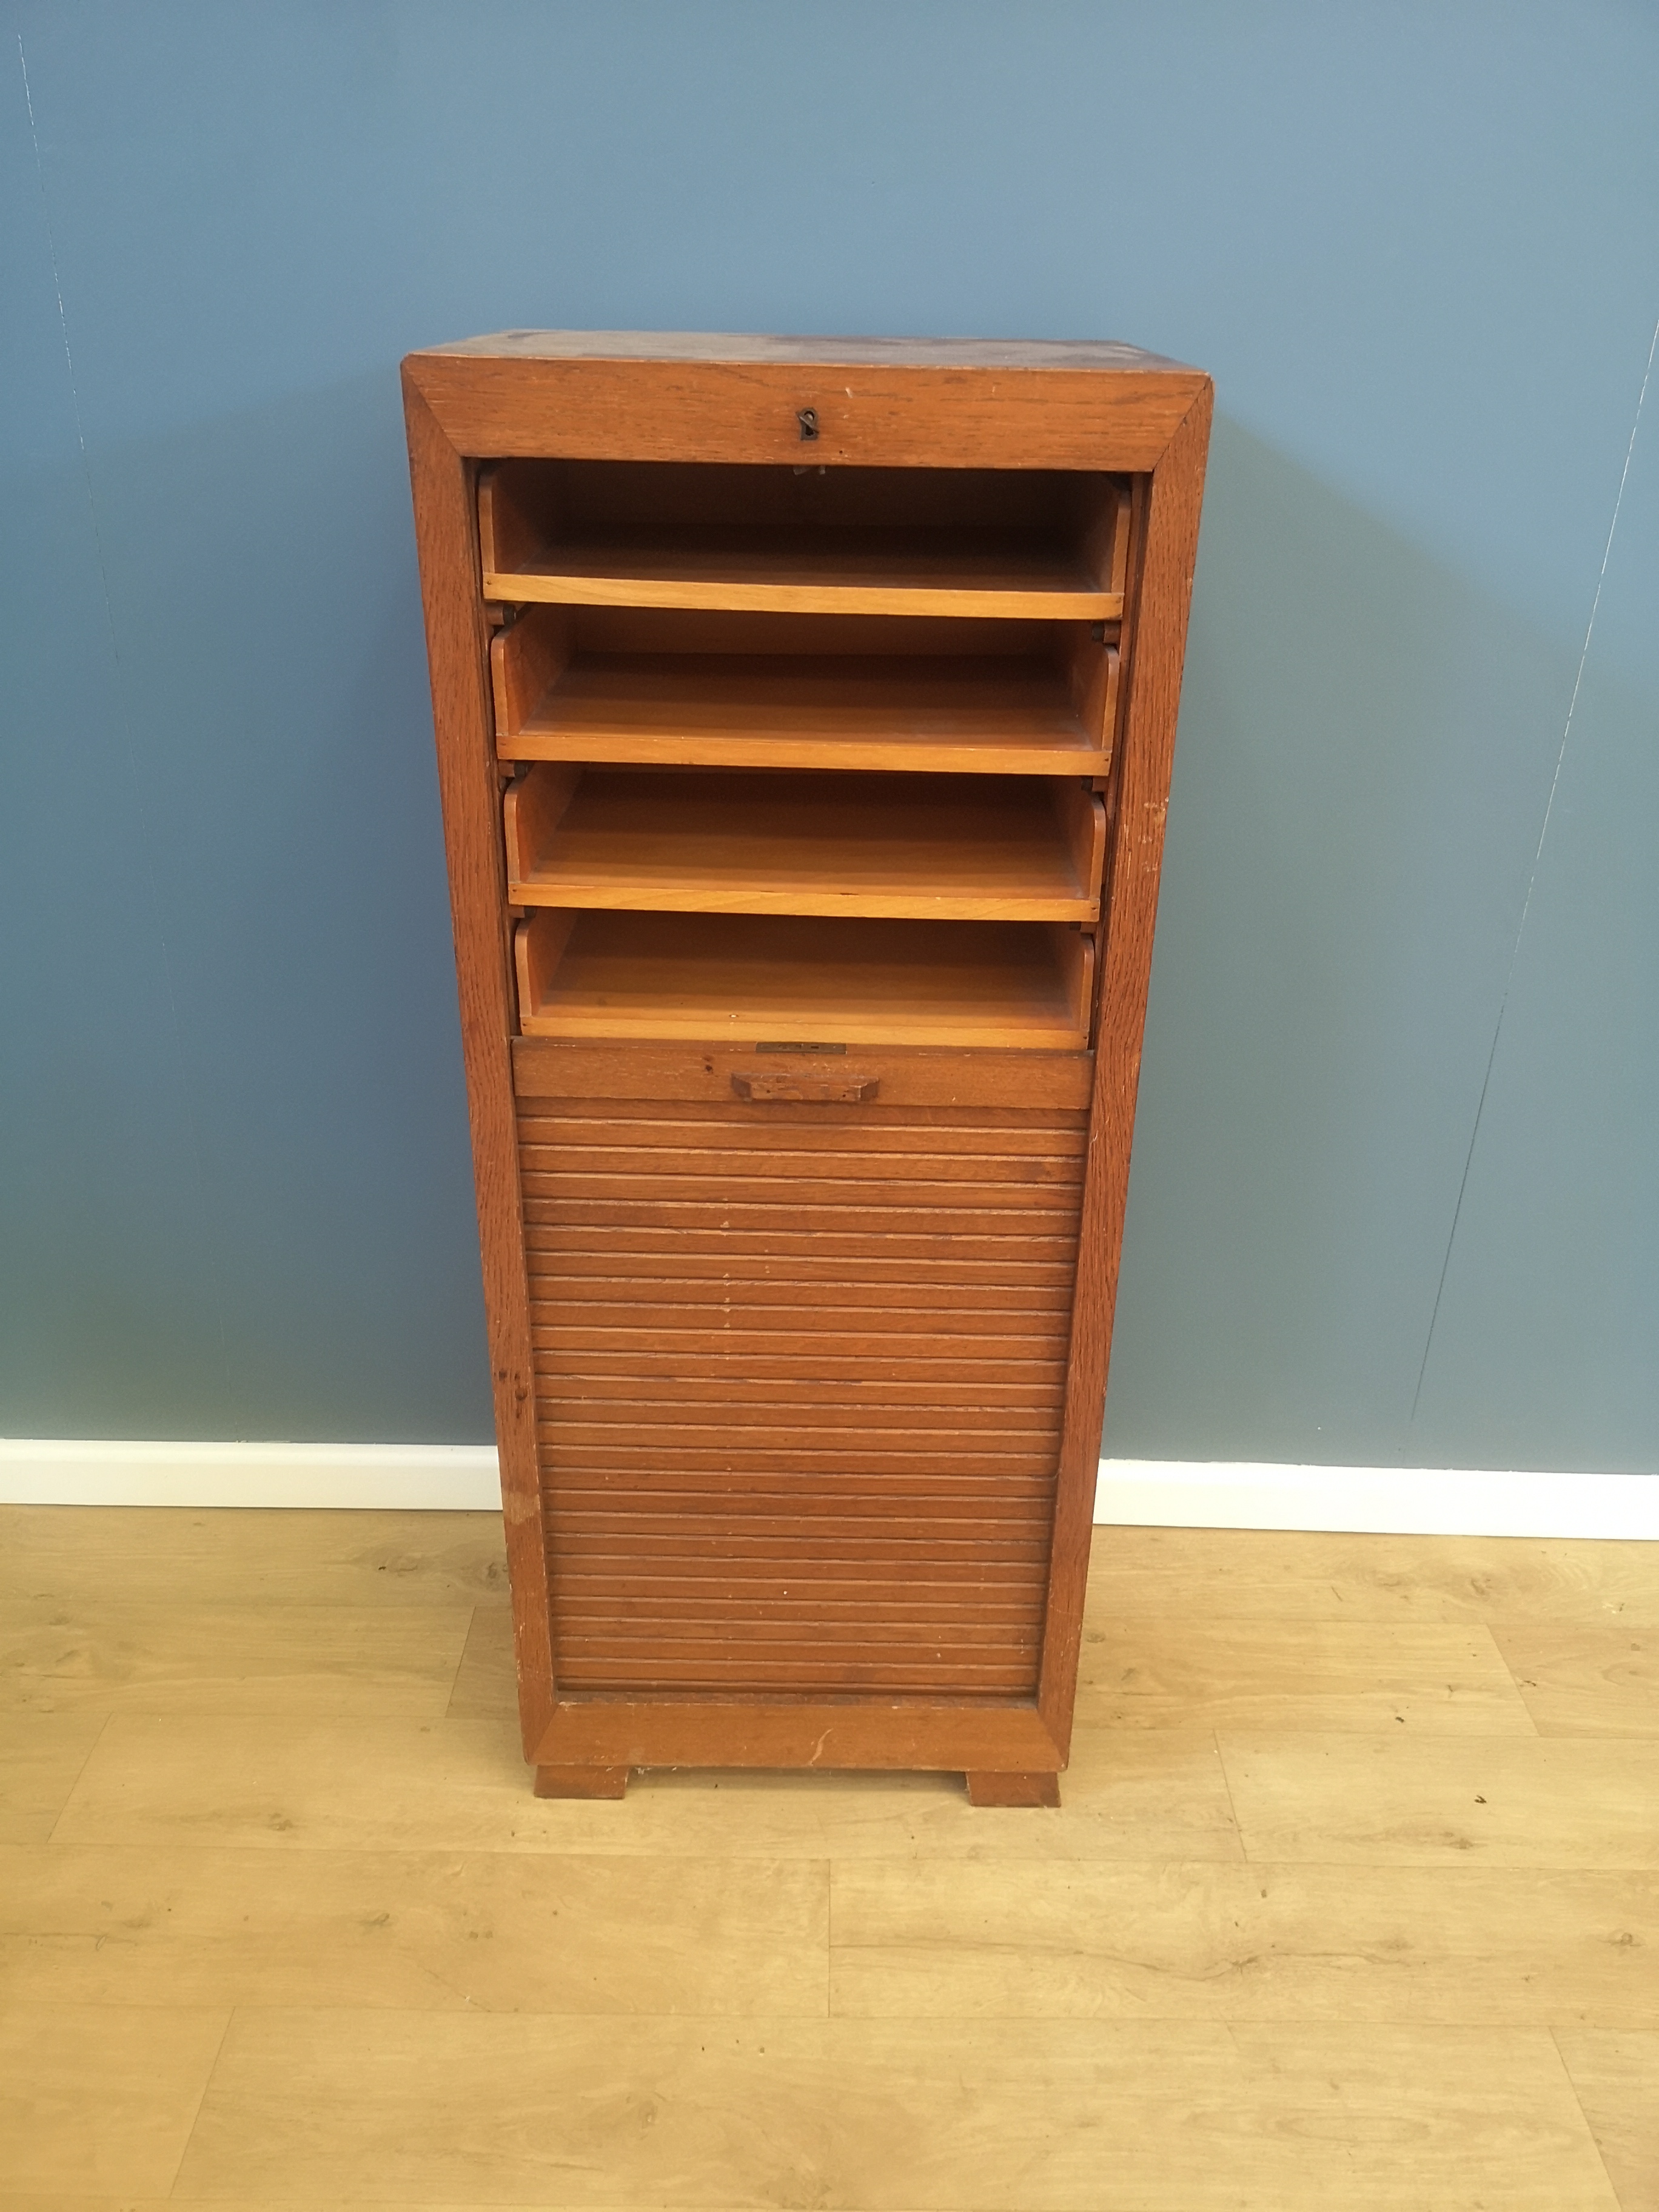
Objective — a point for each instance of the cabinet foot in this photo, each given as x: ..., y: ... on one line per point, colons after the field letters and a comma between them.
x: 1013, y: 1788
x: 581, y: 1781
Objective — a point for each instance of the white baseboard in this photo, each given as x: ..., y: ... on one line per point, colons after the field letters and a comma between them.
x: 1141, y: 1493
x: 1405, y: 1501
x: 92, y: 1472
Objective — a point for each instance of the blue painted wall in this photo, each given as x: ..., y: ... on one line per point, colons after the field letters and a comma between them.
x: 1418, y: 245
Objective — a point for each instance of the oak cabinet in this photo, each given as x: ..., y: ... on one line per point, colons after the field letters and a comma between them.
x: 804, y: 714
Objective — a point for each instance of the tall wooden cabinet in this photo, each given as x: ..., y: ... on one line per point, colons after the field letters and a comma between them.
x: 804, y: 713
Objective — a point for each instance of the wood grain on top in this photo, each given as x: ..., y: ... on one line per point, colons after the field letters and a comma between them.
x: 853, y: 352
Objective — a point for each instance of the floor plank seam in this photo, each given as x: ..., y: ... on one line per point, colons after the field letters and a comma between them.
x: 1232, y: 1808
x: 195, y: 2118
x: 1589, y: 2124
x: 448, y: 1712
x: 79, y: 1771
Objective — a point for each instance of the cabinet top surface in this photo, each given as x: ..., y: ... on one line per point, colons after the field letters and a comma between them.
x: 1075, y: 355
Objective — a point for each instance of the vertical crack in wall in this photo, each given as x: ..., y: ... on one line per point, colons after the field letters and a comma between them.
x: 1532, y: 880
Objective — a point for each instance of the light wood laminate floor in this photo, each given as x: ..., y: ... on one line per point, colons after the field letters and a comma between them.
x: 1353, y: 1903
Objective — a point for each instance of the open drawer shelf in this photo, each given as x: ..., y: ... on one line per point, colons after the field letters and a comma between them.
x: 797, y: 979
x: 734, y: 842
x: 561, y: 695
x: 790, y: 572
x: 805, y: 541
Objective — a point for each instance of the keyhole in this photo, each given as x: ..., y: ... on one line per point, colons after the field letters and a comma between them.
x: 808, y: 419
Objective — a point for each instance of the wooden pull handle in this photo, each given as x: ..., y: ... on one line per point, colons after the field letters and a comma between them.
x: 843, y: 1086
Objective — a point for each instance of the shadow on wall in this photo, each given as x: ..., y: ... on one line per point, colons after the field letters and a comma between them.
x: 1366, y: 751
x: 243, y: 1204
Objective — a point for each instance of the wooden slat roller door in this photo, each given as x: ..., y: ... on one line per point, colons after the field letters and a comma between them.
x: 800, y: 1374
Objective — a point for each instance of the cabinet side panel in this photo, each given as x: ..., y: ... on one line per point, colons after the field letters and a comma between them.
x: 457, y: 649
x: 1162, y: 592
x: 783, y: 1449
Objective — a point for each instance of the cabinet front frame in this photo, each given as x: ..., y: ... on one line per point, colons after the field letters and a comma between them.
x: 1135, y: 415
